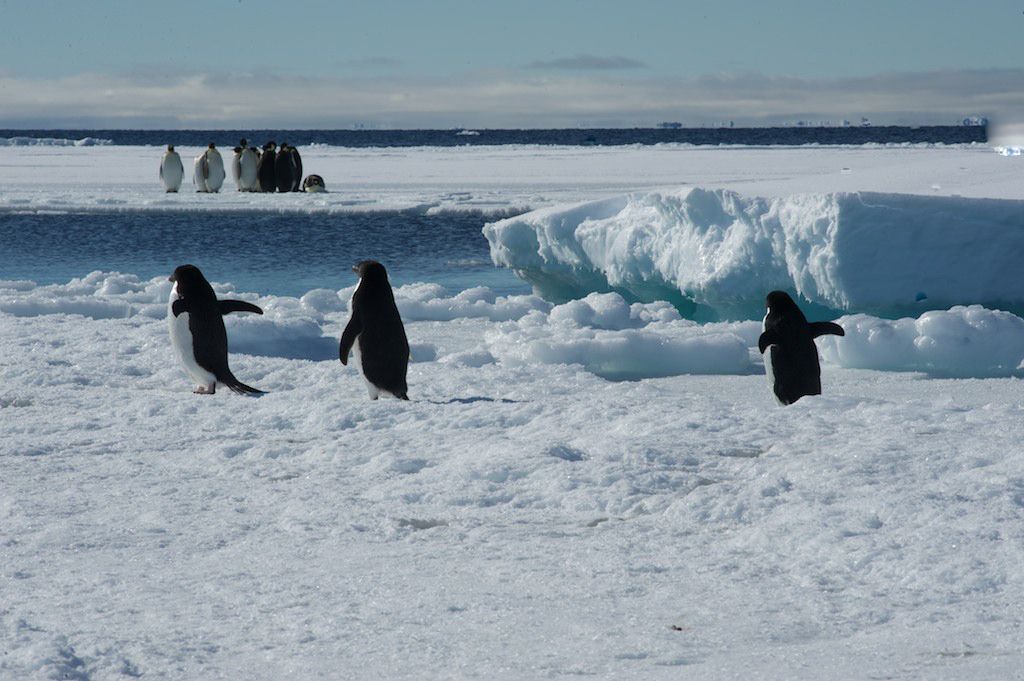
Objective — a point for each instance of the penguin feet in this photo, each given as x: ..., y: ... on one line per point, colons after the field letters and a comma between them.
x: 205, y: 389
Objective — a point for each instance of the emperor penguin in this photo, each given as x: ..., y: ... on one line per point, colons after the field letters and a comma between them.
x: 266, y: 168
x: 201, y: 171
x: 283, y: 169
x: 215, y: 163
x: 171, y: 170
x: 791, y: 362
x: 248, y: 180
x: 236, y: 167
x: 296, y: 169
x: 376, y: 334
x: 314, y: 184
x: 198, y: 336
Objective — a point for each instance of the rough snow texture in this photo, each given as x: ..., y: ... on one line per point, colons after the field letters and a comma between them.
x: 963, y: 341
x: 717, y: 253
x: 515, y: 520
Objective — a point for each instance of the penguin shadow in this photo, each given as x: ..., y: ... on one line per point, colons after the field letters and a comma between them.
x: 473, y: 400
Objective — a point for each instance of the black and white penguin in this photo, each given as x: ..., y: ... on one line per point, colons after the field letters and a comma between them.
x: 283, y: 169
x: 791, y: 362
x: 313, y: 184
x: 248, y: 168
x: 198, y: 336
x: 171, y: 170
x: 215, y: 173
x: 296, y: 169
x: 376, y: 334
x: 236, y: 167
x: 200, y: 171
x: 266, y: 168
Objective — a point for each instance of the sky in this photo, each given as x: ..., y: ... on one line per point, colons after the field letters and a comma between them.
x: 530, y: 63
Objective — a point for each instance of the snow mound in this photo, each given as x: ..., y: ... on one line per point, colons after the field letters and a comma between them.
x: 53, y: 142
x: 959, y: 343
x: 715, y: 254
x: 617, y: 341
x: 431, y: 302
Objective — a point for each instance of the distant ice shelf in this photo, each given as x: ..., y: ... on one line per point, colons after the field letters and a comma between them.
x: 716, y: 253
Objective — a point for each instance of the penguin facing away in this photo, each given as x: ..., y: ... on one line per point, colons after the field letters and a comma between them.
x: 265, y: 170
x: 283, y: 169
x: 215, y: 173
x: 376, y: 334
x: 171, y: 170
x: 195, y: 318
x: 791, y: 362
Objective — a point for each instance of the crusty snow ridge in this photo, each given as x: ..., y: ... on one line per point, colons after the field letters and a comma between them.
x: 715, y: 253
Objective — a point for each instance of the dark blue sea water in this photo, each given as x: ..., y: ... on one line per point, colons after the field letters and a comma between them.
x: 261, y: 252
x: 575, y: 137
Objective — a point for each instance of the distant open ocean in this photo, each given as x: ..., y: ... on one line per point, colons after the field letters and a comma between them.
x: 788, y: 136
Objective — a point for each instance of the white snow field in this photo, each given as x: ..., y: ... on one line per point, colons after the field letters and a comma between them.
x: 596, y: 488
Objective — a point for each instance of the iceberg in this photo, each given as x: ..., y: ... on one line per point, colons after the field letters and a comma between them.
x: 715, y: 254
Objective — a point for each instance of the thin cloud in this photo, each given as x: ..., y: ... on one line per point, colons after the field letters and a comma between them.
x: 508, y: 99
x: 587, y: 62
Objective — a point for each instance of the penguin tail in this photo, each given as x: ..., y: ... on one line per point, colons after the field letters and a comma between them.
x: 403, y: 396
x: 241, y: 388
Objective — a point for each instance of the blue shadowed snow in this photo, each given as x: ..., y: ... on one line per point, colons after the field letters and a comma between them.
x: 262, y: 252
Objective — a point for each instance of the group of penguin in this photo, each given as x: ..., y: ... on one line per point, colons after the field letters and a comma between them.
x: 271, y: 169
x: 376, y: 336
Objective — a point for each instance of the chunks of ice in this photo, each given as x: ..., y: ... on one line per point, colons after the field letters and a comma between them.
x: 714, y: 254
x: 960, y: 342
x: 616, y: 341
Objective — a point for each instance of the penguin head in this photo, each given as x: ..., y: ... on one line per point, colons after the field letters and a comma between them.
x: 238, y: 150
x: 170, y: 147
x: 243, y: 143
x: 211, y: 145
x: 780, y: 303
x: 191, y: 282
x: 371, y: 271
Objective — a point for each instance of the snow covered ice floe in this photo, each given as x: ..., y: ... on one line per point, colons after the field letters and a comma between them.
x: 716, y: 253
x: 517, y: 519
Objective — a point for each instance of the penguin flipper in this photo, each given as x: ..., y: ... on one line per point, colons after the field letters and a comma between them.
x: 229, y: 306
x: 348, y: 338
x: 768, y: 338
x: 178, y: 306
x: 823, y: 328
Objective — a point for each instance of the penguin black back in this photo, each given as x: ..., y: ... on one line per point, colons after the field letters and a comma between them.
x: 207, y: 339
x: 265, y: 168
x: 377, y: 327
x: 283, y: 169
x: 791, y: 362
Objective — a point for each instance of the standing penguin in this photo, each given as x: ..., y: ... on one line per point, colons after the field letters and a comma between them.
x: 792, y: 361
x: 266, y: 168
x: 215, y: 163
x: 248, y: 180
x: 296, y: 169
x: 171, y: 170
x: 200, y: 171
x: 198, y: 336
x: 283, y: 169
x: 236, y: 167
x: 376, y: 333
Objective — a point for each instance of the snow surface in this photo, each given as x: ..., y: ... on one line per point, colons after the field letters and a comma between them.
x: 717, y: 253
x: 520, y: 518
x: 594, y: 488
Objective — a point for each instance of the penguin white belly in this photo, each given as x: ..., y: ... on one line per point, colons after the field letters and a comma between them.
x: 249, y: 171
x: 215, y: 177
x: 769, y: 363
x: 171, y: 173
x: 199, y: 174
x: 236, y: 171
x: 181, y: 340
